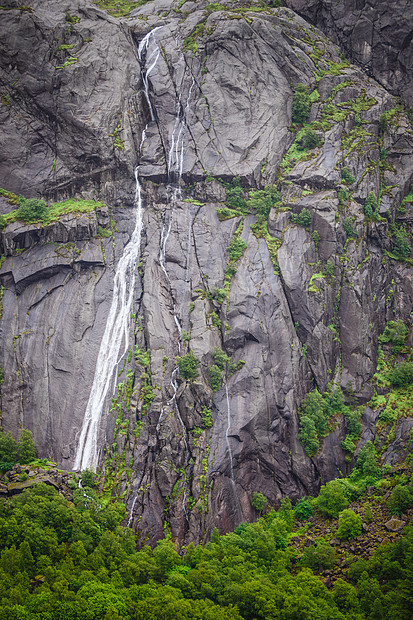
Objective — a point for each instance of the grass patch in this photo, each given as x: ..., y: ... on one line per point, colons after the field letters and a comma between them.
x: 119, y: 8
x: 60, y: 208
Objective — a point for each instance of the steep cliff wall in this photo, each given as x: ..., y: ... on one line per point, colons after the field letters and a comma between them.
x: 204, y: 99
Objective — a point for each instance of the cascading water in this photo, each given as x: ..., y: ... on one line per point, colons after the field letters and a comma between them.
x: 117, y: 323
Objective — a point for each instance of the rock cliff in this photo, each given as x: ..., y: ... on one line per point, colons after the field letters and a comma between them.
x: 96, y: 107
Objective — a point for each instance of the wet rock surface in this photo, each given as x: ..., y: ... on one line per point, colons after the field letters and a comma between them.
x: 221, y: 93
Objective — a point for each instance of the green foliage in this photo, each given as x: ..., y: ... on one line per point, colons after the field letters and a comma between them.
x: 262, y: 201
x: 400, y: 500
x: 349, y: 525
x: 142, y: 357
x: 395, y: 333
x: 206, y: 417
x: 303, y: 509
x: 236, y: 248
x: 401, y: 248
x: 401, y: 374
x: 331, y: 499
x: 32, y: 210
x: 342, y: 195
x: 72, y: 19
x: 215, y: 377
x: 103, y: 232
x: 347, y: 177
x: 3, y: 222
x: 88, y: 478
x: 218, y: 294
x: 370, y: 206
x: 320, y: 556
x: 316, y: 238
x: 310, y: 139
x: 301, y: 104
x: 8, y: 451
x: 366, y: 465
x: 314, y: 413
x: 26, y: 447
x: 258, y: 501
x: 348, y: 226
x: 303, y: 218
x: 188, y: 366
x: 119, y: 8
x: 235, y: 196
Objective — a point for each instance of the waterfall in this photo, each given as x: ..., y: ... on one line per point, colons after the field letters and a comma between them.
x: 117, y: 323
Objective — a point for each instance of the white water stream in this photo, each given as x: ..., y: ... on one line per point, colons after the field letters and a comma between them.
x: 117, y: 324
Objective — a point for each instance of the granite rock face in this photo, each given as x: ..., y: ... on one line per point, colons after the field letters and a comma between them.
x: 206, y: 99
x: 375, y: 35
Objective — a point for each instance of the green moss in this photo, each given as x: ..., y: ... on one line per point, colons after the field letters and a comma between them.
x: 119, y: 8
x: 70, y: 61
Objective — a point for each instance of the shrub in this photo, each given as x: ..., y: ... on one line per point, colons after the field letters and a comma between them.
x: 188, y: 366
x: 8, y: 451
x: 343, y: 196
x: 310, y: 139
x: 401, y: 248
x: 320, y: 556
x: 236, y: 247
x: 88, y: 478
x: 331, y: 499
x: 347, y: 177
x: 32, y: 210
x: 301, y: 104
x: 235, y: 195
x: 349, y: 525
x: 25, y: 447
x: 263, y: 200
x: 258, y: 501
x: 395, y: 332
x: 366, y: 464
x: 402, y: 374
x: 316, y: 238
x: 348, y: 226
x: 302, y: 219
x: 303, y: 509
x: 215, y: 377
x: 370, y: 206
x: 400, y: 500
x: 3, y: 222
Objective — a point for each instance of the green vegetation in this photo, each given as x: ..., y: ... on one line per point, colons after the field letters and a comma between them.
x: 349, y: 525
x: 223, y: 367
x: 349, y: 229
x: 119, y: 8
x: 258, y: 501
x: 188, y: 366
x: 70, y: 61
x: 395, y: 334
x: 347, y: 177
x: 36, y: 210
x: 12, y: 451
x: 310, y: 139
x: 401, y: 374
x: 32, y: 210
x: 315, y: 413
x: 302, y: 219
x: 301, y: 104
x: 73, y: 560
x: 370, y: 206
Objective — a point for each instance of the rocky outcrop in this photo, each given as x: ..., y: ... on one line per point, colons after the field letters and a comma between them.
x: 375, y: 35
x: 297, y: 308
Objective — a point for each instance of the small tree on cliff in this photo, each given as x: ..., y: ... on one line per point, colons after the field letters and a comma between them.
x: 26, y: 448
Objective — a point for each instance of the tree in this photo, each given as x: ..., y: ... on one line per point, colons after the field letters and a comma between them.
x: 402, y: 374
x: 301, y: 104
x: 26, y: 447
x: 400, y: 500
x: 32, y: 209
x: 303, y: 218
x: 370, y: 205
x: 258, y: 501
x: 188, y: 366
x: 310, y: 139
x: 331, y: 499
x: 349, y: 525
x: 320, y: 556
x: 8, y: 451
x: 303, y: 509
